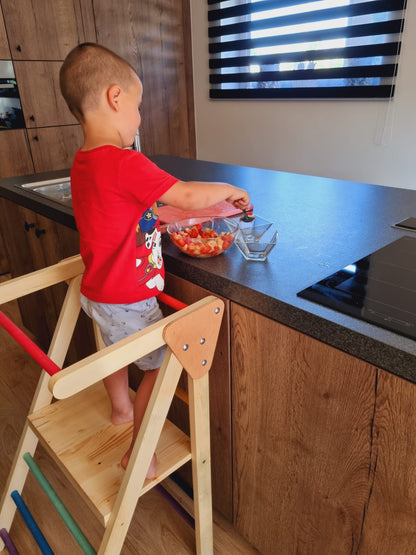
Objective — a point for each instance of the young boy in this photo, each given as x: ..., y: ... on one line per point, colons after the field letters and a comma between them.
x: 113, y: 192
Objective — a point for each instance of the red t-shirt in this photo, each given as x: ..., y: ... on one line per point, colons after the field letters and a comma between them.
x: 113, y: 193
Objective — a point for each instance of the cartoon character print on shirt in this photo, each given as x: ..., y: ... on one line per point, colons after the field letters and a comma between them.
x: 149, y: 254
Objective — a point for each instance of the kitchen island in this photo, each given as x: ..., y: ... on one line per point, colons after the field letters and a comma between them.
x: 320, y: 404
x: 324, y: 224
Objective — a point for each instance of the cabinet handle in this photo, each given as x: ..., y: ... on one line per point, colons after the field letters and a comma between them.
x: 28, y: 226
x: 32, y: 118
x: 36, y: 138
x: 39, y: 232
x: 19, y: 48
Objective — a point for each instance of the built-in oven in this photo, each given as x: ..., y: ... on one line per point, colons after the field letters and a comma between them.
x: 11, y: 114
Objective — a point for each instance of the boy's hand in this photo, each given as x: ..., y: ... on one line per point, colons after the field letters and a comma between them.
x: 239, y: 198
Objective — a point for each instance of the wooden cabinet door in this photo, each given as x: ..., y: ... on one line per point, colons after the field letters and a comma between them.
x: 42, y: 102
x: 46, y: 30
x: 4, y: 45
x: 220, y: 401
x: 4, y: 262
x: 15, y: 158
x: 24, y: 237
x: 54, y: 148
x: 33, y: 242
x: 155, y: 38
x: 302, y: 431
x: 324, y: 445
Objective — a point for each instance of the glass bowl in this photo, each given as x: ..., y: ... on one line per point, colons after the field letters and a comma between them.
x: 203, y: 237
x: 258, y: 244
x: 254, y: 229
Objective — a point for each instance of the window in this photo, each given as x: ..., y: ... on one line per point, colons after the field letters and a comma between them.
x: 304, y: 48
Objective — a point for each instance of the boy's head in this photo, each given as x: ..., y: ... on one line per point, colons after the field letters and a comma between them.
x: 89, y: 70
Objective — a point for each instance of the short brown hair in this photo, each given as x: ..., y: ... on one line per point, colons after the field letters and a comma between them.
x: 87, y: 70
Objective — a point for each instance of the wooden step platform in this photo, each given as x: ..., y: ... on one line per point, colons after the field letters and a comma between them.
x: 78, y: 435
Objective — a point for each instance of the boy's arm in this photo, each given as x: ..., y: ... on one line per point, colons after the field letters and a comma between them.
x: 195, y: 195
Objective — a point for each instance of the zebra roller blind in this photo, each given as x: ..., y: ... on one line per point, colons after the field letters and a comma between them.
x: 304, y: 49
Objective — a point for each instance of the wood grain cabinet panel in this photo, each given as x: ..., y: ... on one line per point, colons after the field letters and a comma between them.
x: 33, y: 242
x: 4, y: 263
x: 324, y: 446
x: 24, y: 232
x: 42, y: 102
x: 220, y: 400
x: 390, y: 513
x: 155, y: 38
x: 54, y: 148
x: 45, y: 30
x: 15, y: 156
x: 4, y: 45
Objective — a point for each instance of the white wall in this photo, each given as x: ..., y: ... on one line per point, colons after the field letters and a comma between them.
x: 371, y: 141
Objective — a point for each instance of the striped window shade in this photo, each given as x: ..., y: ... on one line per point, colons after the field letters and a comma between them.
x: 304, y: 48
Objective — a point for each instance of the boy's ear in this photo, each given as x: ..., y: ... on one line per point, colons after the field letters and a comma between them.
x: 113, y: 96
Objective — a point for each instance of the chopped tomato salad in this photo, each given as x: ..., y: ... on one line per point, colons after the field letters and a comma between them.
x: 201, y: 242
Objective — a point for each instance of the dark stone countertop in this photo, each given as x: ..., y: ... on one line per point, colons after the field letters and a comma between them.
x: 10, y: 190
x: 324, y: 224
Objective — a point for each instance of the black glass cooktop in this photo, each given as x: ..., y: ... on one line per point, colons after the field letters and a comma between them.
x: 380, y: 288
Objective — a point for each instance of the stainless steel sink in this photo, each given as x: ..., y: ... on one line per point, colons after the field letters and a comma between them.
x: 58, y: 190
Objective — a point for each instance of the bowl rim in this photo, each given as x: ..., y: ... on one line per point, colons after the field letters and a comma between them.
x: 200, y: 220
x: 242, y: 238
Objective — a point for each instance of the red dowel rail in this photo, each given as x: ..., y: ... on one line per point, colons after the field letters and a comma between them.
x: 42, y: 358
x: 34, y: 351
x: 170, y: 301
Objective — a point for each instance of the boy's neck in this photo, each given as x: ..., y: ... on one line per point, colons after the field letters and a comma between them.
x: 97, y: 134
x: 95, y: 140
x: 90, y: 145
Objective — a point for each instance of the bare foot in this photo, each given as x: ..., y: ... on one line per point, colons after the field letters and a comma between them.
x: 151, y: 473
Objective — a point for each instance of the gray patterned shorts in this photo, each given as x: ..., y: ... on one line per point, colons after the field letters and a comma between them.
x: 117, y: 321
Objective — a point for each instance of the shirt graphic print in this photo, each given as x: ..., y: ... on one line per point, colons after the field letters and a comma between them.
x: 149, y: 251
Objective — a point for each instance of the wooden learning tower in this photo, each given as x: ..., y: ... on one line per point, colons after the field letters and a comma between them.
x: 75, y: 429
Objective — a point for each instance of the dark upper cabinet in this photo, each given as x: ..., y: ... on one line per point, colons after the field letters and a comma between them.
x: 46, y: 30
x: 155, y: 37
x: 45, y: 109
x: 54, y: 148
x: 15, y: 157
x: 4, y: 45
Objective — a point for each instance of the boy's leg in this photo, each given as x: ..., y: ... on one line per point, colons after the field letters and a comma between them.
x: 143, y: 394
x: 117, y: 386
x: 117, y: 322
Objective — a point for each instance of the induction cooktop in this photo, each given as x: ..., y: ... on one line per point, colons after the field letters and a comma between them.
x: 380, y: 288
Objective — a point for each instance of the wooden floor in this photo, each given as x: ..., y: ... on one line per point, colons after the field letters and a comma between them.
x: 157, y: 528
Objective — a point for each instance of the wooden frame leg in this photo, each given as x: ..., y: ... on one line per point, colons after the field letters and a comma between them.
x: 144, y: 447
x: 201, y: 463
x: 43, y: 397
